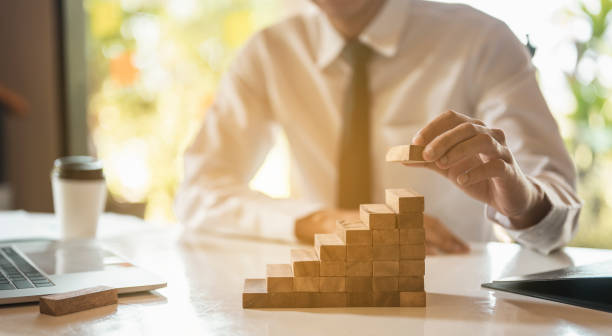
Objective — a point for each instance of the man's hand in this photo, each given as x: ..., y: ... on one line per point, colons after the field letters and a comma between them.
x: 438, y: 239
x: 323, y: 221
x: 478, y: 161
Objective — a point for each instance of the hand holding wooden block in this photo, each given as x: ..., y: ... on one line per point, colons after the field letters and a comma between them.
x: 79, y: 300
x: 405, y: 154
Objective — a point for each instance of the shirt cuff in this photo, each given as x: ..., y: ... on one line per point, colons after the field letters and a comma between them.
x: 545, y: 236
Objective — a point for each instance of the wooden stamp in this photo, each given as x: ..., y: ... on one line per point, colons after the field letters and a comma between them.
x: 412, y: 267
x: 385, y: 284
x: 385, y: 237
x: 359, y: 253
x: 305, y: 263
x: 330, y: 247
x: 411, y: 284
x: 279, y: 278
x: 354, y: 232
x: 358, y: 268
x: 385, y: 268
x: 411, y: 236
x: 385, y: 252
x: 412, y: 251
x: 412, y: 299
x: 332, y: 268
x: 332, y: 284
x: 410, y: 220
x: 404, y: 200
x: 405, y: 154
x: 79, y: 300
x: 377, y: 216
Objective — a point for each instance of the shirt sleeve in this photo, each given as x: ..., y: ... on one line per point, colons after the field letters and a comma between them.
x: 231, y: 145
x: 507, y: 96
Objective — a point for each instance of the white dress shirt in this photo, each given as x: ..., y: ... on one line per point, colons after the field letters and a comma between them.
x: 429, y: 57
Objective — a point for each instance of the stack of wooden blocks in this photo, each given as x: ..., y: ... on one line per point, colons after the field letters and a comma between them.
x: 377, y: 261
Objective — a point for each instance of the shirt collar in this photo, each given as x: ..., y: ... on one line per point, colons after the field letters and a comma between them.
x: 383, y: 34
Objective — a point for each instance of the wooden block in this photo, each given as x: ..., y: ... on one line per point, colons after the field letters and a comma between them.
x: 359, y: 253
x: 306, y: 300
x: 412, y: 236
x: 386, y: 299
x: 331, y: 300
x: 330, y: 247
x: 358, y: 268
x: 377, y: 216
x: 385, y: 268
x: 385, y: 237
x: 279, y: 278
x: 385, y: 284
x: 255, y: 294
x: 281, y: 300
x: 411, y: 284
x: 359, y: 299
x: 305, y: 263
x: 412, y: 299
x: 405, y: 154
x: 411, y: 267
x: 412, y: 251
x: 404, y: 200
x: 386, y: 252
x: 306, y: 284
x: 410, y: 220
x: 79, y: 300
x: 358, y: 284
x: 332, y: 268
x: 332, y: 284
x: 354, y: 232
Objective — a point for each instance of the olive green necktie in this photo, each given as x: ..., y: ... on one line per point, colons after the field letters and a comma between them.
x: 354, y: 172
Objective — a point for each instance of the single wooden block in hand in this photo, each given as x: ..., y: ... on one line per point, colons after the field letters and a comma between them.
x: 79, y: 300
x: 405, y: 154
x: 377, y: 216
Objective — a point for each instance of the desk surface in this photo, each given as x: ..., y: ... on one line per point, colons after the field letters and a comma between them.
x: 205, y: 281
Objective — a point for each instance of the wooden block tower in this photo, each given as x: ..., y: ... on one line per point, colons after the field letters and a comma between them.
x: 376, y: 261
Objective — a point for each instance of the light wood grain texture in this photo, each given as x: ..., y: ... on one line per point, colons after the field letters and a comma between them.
x: 359, y: 299
x: 412, y: 267
x: 354, y: 232
x: 358, y: 284
x: 377, y: 216
x: 305, y: 262
x: 385, y: 252
x: 279, y: 278
x: 385, y: 268
x: 405, y: 154
x: 412, y: 251
x: 385, y: 237
x: 332, y: 284
x: 331, y: 300
x: 385, y: 284
x: 404, y: 200
x: 386, y: 299
x: 358, y: 268
x: 330, y: 247
x: 410, y: 220
x: 281, y: 300
x: 306, y: 300
x: 412, y: 236
x: 306, y: 284
x: 79, y: 300
x: 255, y: 294
x: 359, y: 253
x: 413, y: 299
x: 332, y: 268
x: 411, y: 284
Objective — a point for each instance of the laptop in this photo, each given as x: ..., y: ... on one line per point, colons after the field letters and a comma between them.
x: 29, y: 270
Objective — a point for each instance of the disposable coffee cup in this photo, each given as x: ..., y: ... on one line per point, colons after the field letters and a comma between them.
x: 79, y: 195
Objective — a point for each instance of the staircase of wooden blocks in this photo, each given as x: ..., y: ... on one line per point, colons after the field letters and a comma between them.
x: 377, y: 261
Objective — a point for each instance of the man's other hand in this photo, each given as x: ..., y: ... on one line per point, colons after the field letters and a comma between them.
x: 323, y: 221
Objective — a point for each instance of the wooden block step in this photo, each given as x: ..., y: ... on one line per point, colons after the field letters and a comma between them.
x: 354, y: 232
x: 405, y: 154
x: 332, y: 268
x: 305, y: 262
x: 404, y: 200
x: 385, y: 237
x: 411, y: 284
x: 385, y: 284
x: 359, y: 299
x: 412, y: 251
x: 385, y: 268
x: 331, y: 300
x: 410, y: 220
x: 385, y: 252
x: 359, y: 253
x: 332, y: 284
x: 255, y: 294
x: 413, y: 299
x: 358, y: 268
x: 330, y: 247
x: 306, y: 284
x: 79, y: 300
x: 377, y: 216
x: 279, y: 278
x: 281, y: 300
x: 412, y: 267
x: 386, y: 299
x: 412, y: 236
x: 358, y: 284
x: 306, y: 300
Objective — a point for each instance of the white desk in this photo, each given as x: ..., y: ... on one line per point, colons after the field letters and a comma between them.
x: 205, y: 282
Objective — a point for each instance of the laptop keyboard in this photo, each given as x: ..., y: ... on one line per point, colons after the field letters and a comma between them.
x: 18, y: 273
